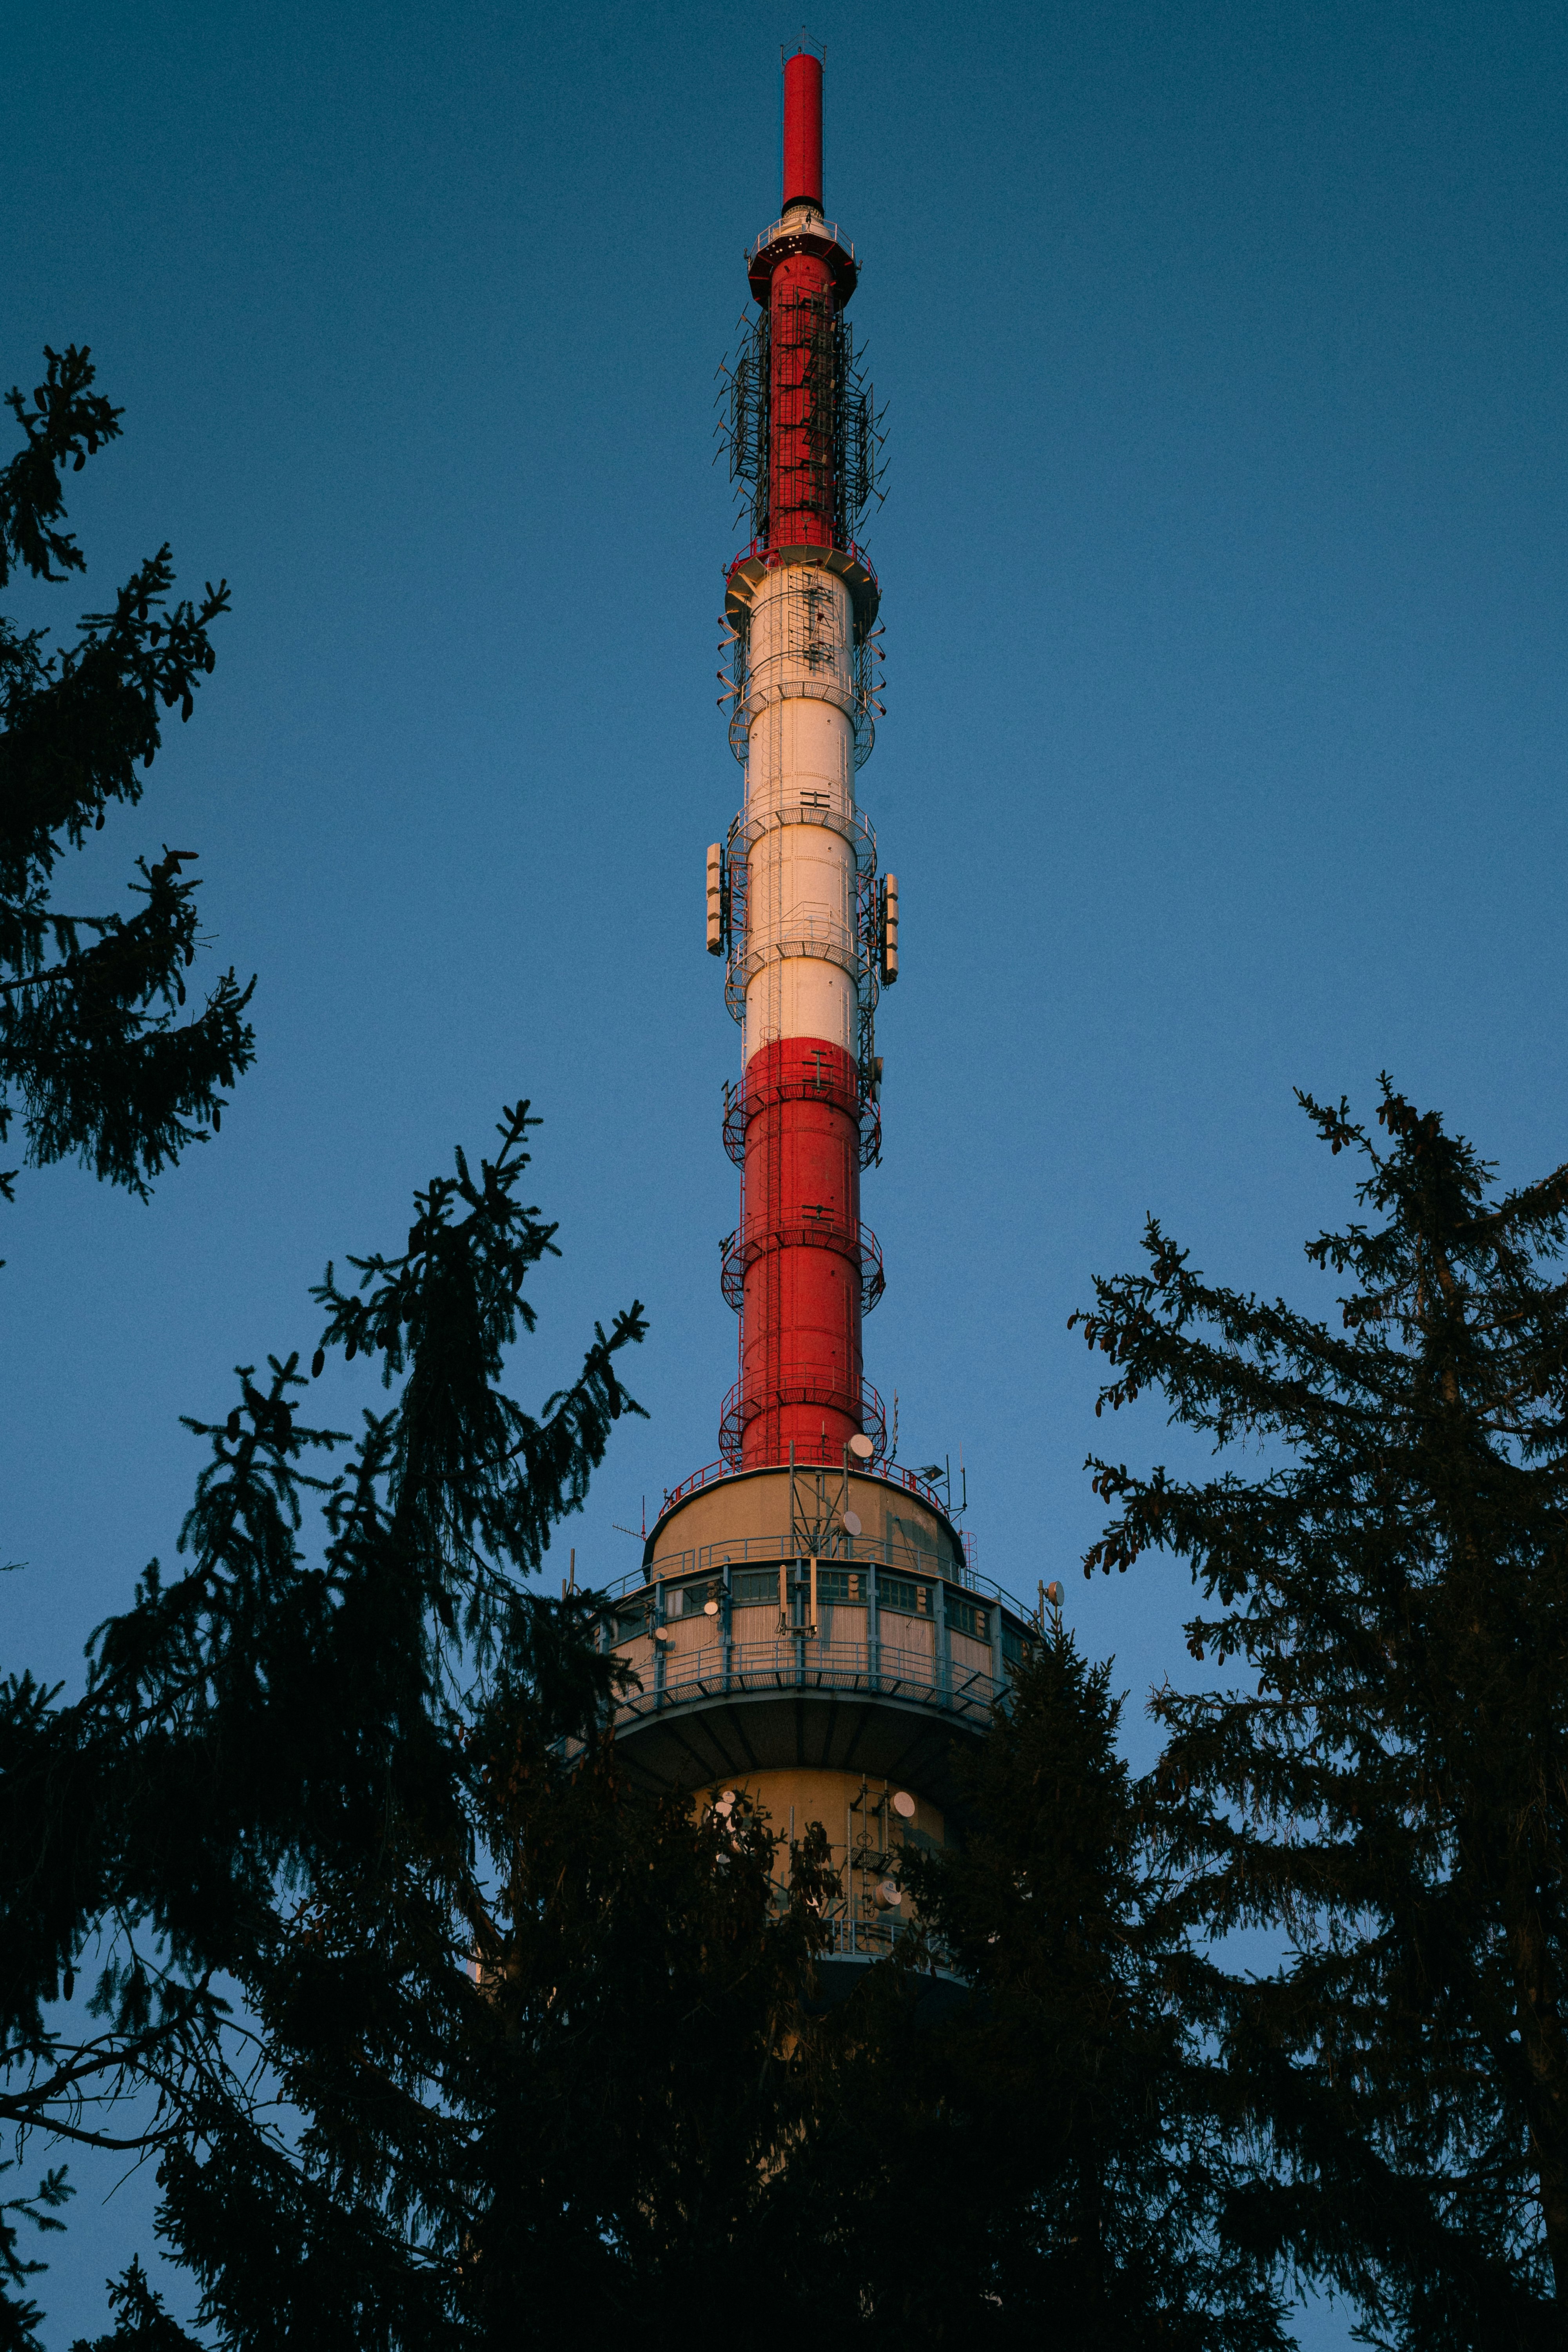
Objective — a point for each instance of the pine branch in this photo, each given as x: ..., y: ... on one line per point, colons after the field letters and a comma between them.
x: 69, y: 423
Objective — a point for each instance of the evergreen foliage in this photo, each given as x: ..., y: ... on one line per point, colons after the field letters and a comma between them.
x: 649, y: 2068
x: 1385, y: 1787
x: 1048, y: 2154
x: 94, y: 1057
x: 442, y: 2031
x: 19, y: 2316
x: 421, y: 2008
x: 140, y: 2318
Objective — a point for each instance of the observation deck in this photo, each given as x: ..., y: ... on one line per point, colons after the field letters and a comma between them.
x: 804, y: 1616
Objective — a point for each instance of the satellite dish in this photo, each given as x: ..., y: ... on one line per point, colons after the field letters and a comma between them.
x: 862, y: 1448
x: 889, y: 1895
x: 904, y: 1805
x: 709, y: 1609
x: 851, y: 1523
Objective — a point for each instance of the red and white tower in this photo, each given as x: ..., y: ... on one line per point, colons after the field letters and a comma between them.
x: 807, y: 1624
x: 795, y: 901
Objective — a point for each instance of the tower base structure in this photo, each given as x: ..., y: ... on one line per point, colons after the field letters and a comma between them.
x: 815, y: 1639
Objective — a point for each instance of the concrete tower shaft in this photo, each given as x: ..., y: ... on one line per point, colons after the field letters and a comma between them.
x: 803, y: 947
x: 800, y: 1268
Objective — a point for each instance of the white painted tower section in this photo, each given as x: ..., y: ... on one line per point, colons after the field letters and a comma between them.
x: 802, y: 953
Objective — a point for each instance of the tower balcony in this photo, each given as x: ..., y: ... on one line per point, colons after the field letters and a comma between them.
x: 807, y: 1619
x: 798, y: 1663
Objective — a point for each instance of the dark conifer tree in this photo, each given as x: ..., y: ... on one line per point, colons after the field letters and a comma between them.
x: 503, y: 2033
x: 95, y: 1059
x: 1049, y: 2158
x: 140, y: 2320
x: 1384, y: 1789
x: 19, y: 2315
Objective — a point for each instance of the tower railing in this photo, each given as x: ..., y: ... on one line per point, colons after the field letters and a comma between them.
x: 776, y: 231
x: 888, y: 1474
x: 744, y: 1101
x: 748, y: 1399
x: 795, y: 1662
x: 741, y: 1249
x: 708, y: 1562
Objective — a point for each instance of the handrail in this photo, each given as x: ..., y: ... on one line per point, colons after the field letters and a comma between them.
x: 877, y: 1669
x: 757, y: 551
x: 706, y: 1562
x: 827, y: 230
x: 748, y: 1098
x: 743, y: 1405
x: 892, y: 1474
x: 710, y: 1473
x: 874, y: 1939
x: 858, y: 1243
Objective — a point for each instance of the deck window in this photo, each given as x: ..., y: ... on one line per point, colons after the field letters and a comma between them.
x: 969, y: 1617
x: 903, y: 1597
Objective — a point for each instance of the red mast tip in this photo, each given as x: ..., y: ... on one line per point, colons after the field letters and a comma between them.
x: 803, y: 129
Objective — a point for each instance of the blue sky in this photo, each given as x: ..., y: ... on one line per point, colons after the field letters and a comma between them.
x: 1223, y: 566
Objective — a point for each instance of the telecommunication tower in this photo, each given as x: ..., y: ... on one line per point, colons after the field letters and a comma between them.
x: 807, y: 1622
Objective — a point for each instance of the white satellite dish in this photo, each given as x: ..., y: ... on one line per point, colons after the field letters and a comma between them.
x: 903, y: 1805
x: 709, y: 1609
x: 851, y: 1523
x: 889, y: 1895
x: 862, y: 1448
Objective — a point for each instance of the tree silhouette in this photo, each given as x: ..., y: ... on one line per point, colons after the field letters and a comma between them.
x: 1385, y: 1787
x: 94, y: 1055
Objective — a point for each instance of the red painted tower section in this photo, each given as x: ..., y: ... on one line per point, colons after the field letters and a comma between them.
x: 802, y: 304
x: 800, y: 1350
x: 803, y: 129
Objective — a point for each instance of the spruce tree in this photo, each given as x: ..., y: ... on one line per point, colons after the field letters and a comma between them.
x: 426, y: 2015
x: 1046, y: 2153
x: 19, y: 2315
x: 95, y: 1059
x: 140, y: 2318
x: 1382, y: 1786
x: 277, y: 1710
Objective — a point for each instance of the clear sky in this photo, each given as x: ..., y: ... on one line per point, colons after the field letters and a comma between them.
x: 1223, y: 565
